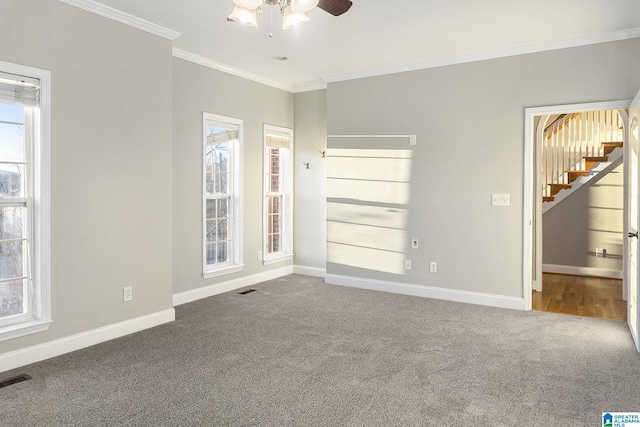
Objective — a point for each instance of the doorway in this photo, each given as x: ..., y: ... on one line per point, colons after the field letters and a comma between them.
x: 536, y: 120
x: 582, y: 181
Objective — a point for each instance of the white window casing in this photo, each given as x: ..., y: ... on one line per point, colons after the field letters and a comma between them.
x: 30, y: 89
x: 277, y: 194
x: 221, y: 195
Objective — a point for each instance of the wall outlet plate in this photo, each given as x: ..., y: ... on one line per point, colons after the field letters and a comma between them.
x: 127, y: 293
x: 407, y: 264
x: 500, y: 199
x: 415, y: 244
x: 433, y: 267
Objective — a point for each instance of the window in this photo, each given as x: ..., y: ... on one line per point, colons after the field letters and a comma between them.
x: 278, y: 187
x: 24, y: 201
x: 222, y: 209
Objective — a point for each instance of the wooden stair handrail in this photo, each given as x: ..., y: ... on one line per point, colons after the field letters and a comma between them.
x: 564, y: 119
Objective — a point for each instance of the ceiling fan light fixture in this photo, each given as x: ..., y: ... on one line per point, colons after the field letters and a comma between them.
x: 244, y: 16
x: 291, y: 19
x: 303, y: 6
x: 248, y: 4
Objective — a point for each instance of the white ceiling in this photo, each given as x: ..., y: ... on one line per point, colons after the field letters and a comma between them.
x: 379, y: 36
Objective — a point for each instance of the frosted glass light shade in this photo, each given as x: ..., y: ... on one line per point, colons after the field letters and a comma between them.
x: 248, y: 4
x: 244, y: 16
x: 291, y: 19
x: 303, y: 6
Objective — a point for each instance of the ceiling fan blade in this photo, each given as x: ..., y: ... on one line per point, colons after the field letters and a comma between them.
x: 335, y: 7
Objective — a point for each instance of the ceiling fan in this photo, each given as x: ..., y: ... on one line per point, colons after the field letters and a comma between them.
x: 335, y: 7
x: 293, y: 11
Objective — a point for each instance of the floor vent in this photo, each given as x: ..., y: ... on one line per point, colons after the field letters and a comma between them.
x: 248, y: 291
x: 14, y: 380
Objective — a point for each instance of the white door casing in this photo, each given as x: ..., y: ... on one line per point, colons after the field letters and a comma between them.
x: 633, y: 218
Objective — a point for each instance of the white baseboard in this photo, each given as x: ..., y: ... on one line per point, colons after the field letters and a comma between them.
x: 309, y: 271
x: 428, y: 292
x: 231, y: 285
x: 582, y: 271
x: 47, y: 350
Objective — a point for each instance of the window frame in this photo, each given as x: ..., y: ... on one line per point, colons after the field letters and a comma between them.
x: 286, y: 190
x: 234, y: 264
x: 37, y: 157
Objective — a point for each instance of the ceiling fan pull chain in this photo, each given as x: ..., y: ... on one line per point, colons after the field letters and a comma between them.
x: 271, y: 23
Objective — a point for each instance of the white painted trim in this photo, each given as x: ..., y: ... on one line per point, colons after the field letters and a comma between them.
x: 306, y: 270
x: 223, y: 271
x: 26, y: 328
x: 278, y: 259
x: 529, y: 213
x: 495, y: 54
x: 40, y: 161
x: 220, y: 288
x: 579, y: 108
x: 371, y: 136
x: 124, y: 18
x: 47, y: 350
x: 237, y: 160
x: 309, y: 87
x: 286, y: 189
x: 200, y: 60
x: 536, y: 230
x: 582, y: 271
x: 531, y: 205
x: 478, y: 298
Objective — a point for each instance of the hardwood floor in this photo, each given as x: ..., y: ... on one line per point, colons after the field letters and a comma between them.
x: 581, y: 296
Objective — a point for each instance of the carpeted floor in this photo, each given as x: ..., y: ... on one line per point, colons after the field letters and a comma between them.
x: 298, y: 352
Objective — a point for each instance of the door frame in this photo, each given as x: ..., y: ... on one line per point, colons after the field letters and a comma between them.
x: 532, y: 203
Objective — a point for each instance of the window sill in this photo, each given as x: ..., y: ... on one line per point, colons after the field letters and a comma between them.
x: 222, y: 271
x: 22, y: 329
x: 278, y: 258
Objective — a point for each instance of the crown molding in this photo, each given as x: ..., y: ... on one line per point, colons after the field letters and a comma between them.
x: 125, y: 18
x: 495, y: 54
x: 197, y: 59
x: 309, y: 87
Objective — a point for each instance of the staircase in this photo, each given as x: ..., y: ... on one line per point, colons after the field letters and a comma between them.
x: 576, y: 147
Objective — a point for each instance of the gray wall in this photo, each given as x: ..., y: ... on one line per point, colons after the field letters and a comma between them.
x: 310, y: 184
x: 110, y: 162
x: 590, y: 218
x: 197, y: 89
x: 126, y: 155
x: 469, y: 122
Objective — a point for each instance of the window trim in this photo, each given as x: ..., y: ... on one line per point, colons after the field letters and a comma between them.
x: 236, y: 264
x: 40, y: 201
x: 287, y: 201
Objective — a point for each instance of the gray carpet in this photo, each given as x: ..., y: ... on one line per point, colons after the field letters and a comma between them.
x: 301, y: 353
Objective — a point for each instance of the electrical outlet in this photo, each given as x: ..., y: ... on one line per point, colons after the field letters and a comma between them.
x: 127, y: 293
x: 407, y: 264
x: 414, y: 243
x: 433, y: 267
x: 601, y: 253
x: 259, y: 255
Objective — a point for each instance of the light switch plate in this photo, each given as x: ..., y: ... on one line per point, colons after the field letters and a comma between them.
x: 500, y: 199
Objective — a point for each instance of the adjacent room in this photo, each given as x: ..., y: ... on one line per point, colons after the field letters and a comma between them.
x: 211, y: 215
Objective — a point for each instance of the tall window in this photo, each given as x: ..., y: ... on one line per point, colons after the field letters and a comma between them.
x: 221, y: 196
x: 278, y: 179
x: 24, y: 202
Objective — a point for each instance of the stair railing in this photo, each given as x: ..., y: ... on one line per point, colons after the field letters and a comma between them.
x: 572, y: 137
